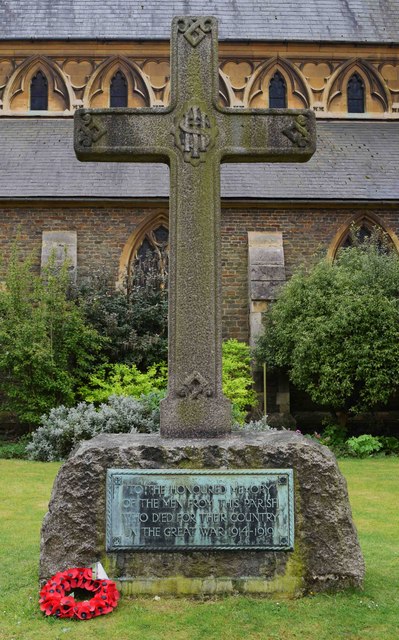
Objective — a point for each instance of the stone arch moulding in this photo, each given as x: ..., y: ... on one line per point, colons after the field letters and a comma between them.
x: 371, y: 219
x: 227, y: 96
x: 61, y: 96
x: 135, y: 240
x: 140, y: 92
x: 377, y: 95
x: 257, y: 90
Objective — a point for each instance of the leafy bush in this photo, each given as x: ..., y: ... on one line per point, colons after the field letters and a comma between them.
x: 335, y: 328
x: 124, y: 380
x: 121, y: 379
x: 237, y: 379
x: 390, y: 445
x: 134, y: 319
x: 65, y: 427
x: 47, y: 349
x: 364, y: 445
x: 255, y: 425
x: 14, y: 450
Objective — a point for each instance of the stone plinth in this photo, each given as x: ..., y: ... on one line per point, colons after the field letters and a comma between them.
x: 326, y: 552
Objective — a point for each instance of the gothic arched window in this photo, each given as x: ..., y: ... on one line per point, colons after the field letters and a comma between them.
x: 367, y: 231
x: 277, y: 92
x: 39, y: 92
x: 357, y: 235
x: 355, y: 94
x: 151, y: 259
x: 118, y: 90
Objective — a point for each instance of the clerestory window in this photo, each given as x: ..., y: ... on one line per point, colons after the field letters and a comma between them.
x: 118, y: 90
x: 39, y: 92
x: 277, y: 92
x: 355, y: 94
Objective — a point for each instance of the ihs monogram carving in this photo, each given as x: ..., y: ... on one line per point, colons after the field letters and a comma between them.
x: 195, y: 385
x: 195, y: 135
x: 297, y: 132
x: 89, y: 131
x: 194, y: 29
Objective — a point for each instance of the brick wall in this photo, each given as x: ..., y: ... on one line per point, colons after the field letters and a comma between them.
x: 307, y: 233
x: 103, y: 231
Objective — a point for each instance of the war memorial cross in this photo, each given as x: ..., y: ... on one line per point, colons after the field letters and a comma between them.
x: 193, y: 136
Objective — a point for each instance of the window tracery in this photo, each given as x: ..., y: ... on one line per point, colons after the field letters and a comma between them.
x: 360, y: 230
x: 151, y: 260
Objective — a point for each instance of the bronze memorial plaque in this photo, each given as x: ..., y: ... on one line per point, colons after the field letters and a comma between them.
x: 174, y: 510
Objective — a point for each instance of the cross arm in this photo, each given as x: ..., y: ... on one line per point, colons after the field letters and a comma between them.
x: 268, y: 135
x: 122, y: 135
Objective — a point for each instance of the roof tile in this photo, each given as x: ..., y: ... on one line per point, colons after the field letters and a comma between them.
x: 354, y: 160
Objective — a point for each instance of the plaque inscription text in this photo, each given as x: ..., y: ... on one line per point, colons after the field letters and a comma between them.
x: 176, y: 510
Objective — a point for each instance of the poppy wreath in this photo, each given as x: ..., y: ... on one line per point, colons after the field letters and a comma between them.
x: 54, y: 600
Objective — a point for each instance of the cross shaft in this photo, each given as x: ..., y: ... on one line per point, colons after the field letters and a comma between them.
x: 193, y: 136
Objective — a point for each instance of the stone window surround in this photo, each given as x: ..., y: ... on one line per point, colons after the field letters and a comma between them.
x: 317, y: 79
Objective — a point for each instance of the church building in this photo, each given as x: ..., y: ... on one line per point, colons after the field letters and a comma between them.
x: 339, y: 58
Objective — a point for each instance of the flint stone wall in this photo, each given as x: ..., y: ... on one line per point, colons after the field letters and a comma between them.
x: 326, y: 557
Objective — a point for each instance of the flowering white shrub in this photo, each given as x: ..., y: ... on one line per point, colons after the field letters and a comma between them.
x: 254, y: 425
x: 64, y: 427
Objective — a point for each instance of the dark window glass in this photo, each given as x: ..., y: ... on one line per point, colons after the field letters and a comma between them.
x: 357, y: 236
x: 118, y: 93
x: 355, y: 92
x: 152, y: 258
x: 39, y: 92
x: 277, y: 92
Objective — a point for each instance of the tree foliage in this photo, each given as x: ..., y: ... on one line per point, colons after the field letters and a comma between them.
x: 134, y: 318
x: 335, y: 328
x: 237, y: 379
x: 47, y: 349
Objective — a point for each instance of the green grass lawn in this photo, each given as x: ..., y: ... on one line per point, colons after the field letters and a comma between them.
x: 372, y: 614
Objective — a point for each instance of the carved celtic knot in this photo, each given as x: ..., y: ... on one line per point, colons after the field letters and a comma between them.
x: 194, y: 29
x: 89, y: 131
x: 193, y: 135
x: 297, y: 132
x: 194, y: 386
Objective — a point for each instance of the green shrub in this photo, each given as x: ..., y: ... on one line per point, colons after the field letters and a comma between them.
x: 65, y: 427
x: 363, y: 446
x: 14, y: 450
x: 335, y: 328
x: 390, y: 445
x: 237, y: 378
x: 134, y: 319
x: 121, y: 379
x: 47, y: 349
x: 124, y: 380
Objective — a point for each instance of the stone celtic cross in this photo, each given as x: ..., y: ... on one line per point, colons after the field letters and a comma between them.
x: 193, y: 136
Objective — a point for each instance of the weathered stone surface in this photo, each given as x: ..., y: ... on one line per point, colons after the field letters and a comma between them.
x: 266, y: 275
x: 326, y: 554
x: 60, y: 246
x: 265, y: 289
x: 268, y: 272
x: 194, y: 135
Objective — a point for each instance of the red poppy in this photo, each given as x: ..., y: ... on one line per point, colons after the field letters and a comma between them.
x: 84, y: 610
x: 54, y: 600
x: 101, y: 606
x: 50, y: 606
x: 67, y: 606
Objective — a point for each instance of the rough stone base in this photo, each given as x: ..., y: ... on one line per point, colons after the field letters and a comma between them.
x: 326, y: 555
